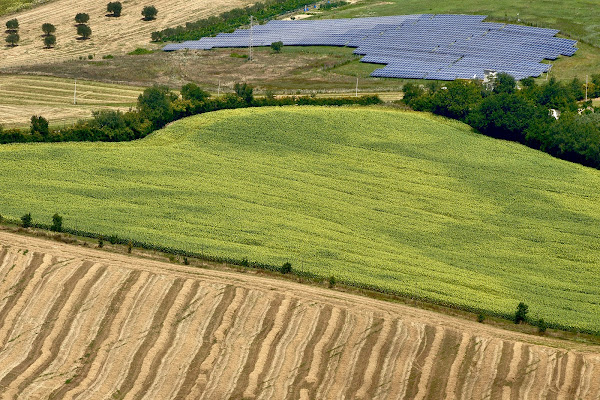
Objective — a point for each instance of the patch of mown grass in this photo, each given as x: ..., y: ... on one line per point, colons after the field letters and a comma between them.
x: 401, y: 202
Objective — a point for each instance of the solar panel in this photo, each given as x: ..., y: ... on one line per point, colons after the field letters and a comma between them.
x: 422, y: 46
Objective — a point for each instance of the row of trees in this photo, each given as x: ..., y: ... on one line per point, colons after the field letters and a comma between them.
x: 156, y: 107
x: 522, y: 115
x: 12, y: 32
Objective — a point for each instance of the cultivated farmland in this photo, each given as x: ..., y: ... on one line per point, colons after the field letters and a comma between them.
x: 24, y: 96
x: 87, y: 324
x: 109, y: 35
x: 397, y: 201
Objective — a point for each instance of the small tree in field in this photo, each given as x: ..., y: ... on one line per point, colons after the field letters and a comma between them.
x: 84, y: 31
x: 12, y: 25
x: 49, y: 41
x: 82, y: 18
x: 48, y: 29
x: 13, y: 39
x: 521, y: 313
x: 39, y: 125
x: 277, y: 46
x: 114, y: 8
x: 286, y: 268
x: 26, y: 220
x: 56, y: 223
x: 244, y: 91
x: 149, y: 13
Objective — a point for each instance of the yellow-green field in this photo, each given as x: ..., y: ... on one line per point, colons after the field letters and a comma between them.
x: 23, y: 96
x: 401, y: 201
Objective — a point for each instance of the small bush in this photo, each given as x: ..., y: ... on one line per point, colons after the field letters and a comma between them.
x: 100, y: 242
x: 26, y: 220
x: 521, y: 313
x: 286, y: 268
x: 149, y: 13
x: 186, y: 261
x: 480, y: 318
x: 140, y: 51
x: 332, y: 281
x: 129, y: 247
x: 108, y: 57
x: 244, y: 262
x: 277, y: 46
x: 50, y: 41
x: 113, y: 239
x: 90, y: 56
x: 56, y: 223
x: 82, y: 18
x: 542, y: 326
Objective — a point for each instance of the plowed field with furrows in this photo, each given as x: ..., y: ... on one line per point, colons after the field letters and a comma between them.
x: 109, y: 35
x: 87, y: 324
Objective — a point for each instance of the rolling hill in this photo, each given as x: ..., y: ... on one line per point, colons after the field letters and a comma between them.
x: 397, y: 201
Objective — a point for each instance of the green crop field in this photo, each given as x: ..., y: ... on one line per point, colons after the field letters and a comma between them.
x: 403, y: 201
x: 9, y: 6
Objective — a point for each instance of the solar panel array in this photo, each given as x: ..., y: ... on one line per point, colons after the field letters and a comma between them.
x: 424, y: 46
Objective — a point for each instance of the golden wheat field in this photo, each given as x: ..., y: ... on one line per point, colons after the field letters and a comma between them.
x: 81, y: 323
x: 109, y: 35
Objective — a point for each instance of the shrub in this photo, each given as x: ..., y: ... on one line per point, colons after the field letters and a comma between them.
x: 277, y: 46
x: 82, y: 18
x: 50, y: 41
x: 114, y: 8
x: 100, y: 242
x: 26, y: 220
x: 13, y: 39
x: 542, y: 326
x: 244, y: 91
x: 90, y: 56
x: 129, y: 246
x: 155, y: 104
x: 149, y: 13
x: 186, y: 261
x: 108, y: 57
x: 193, y: 92
x: 12, y: 25
x: 84, y: 31
x: 480, y: 318
x: 39, y: 125
x: 48, y: 29
x: 521, y: 313
x: 140, y: 51
x: 286, y: 268
x: 56, y: 223
x: 332, y: 281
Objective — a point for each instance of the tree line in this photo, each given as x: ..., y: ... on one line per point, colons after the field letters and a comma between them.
x: 229, y: 20
x: 521, y: 114
x: 156, y: 107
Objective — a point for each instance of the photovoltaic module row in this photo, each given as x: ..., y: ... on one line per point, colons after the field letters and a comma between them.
x: 423, y: 46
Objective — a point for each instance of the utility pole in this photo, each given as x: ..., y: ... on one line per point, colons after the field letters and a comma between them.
x: 251, y: 23
x: 75, y: 93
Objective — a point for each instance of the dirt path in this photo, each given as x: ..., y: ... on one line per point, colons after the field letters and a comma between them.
x: 162, y: 330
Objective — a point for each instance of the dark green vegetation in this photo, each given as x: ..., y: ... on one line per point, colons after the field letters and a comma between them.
x: 82, y: 18
x: 149, y: 13
x: 156, y: 107
x: 84, y: 31
x: 522, y: 115
x: 114, y: 9
x: 228, y: 20
x: 399, y: 202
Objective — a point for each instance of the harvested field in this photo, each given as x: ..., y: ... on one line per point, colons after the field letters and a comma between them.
x: 109, y: 35
x: 24, y: 96
x: 88, y: 324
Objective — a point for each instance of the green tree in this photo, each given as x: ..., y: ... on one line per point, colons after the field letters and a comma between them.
x: 84, y: 31
x: 26, y: 220
x: 193, y: 92
x: 505, y: 83
x: 39, y: 125
x: 13, y: 39
x: 114, y: 8
x: 286, y: 268
x: 244, y: 91
x: 277, y: 46
x: 12, y: 25
x: 50, y: 41
x: 155, y: 104
x: 457, y: 100
x: 56, y: 223
x: 48, y: 29
x: 82, y: 18
x: 542, y: 326
x: 521, y: 313
x: 149, y: 13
